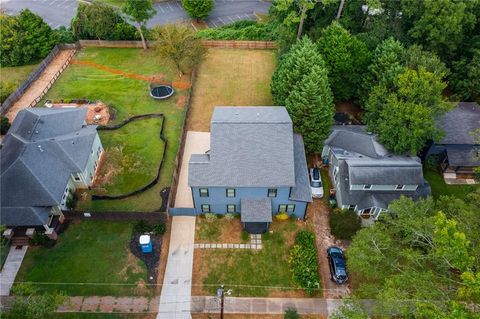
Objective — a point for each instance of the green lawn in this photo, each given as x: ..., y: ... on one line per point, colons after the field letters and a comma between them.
x: 128, y: 97
x: 439, y: 187
x: 267, y: 267
x: 11, y: 77
x: 131, y: 159
x: 93, y: 255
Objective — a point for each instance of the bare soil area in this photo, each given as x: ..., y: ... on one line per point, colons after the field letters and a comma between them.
x: 36, y: 88
x: 245, y: 316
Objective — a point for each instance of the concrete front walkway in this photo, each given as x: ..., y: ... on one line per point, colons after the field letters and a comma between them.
x: 245, y: 305
x: 175, y: 299
x: 10, y: 269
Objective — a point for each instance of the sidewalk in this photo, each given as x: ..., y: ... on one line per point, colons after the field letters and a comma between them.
x: 10, y: 269
x: 245, y: 305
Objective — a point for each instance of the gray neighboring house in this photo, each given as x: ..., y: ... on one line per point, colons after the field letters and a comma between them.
x: 46, y: 155
x: 256, y: 167
x: 457, y: 152
x: 366, y: 176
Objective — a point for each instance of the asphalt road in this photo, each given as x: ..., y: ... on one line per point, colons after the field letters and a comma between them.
x: 60, y: 12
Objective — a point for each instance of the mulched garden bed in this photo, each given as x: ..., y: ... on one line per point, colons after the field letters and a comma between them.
x: 151, y: 260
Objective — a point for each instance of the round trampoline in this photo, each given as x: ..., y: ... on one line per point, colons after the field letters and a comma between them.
x: 161, y: 92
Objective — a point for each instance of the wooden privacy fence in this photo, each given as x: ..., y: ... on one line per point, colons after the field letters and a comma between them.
x: 23, y: 87
x: 206, y: 43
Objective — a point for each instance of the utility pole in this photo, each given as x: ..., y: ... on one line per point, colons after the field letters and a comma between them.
x: 221, y: 295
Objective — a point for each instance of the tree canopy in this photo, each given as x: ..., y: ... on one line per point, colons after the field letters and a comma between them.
x: 25, y: 39
x: 346, y: 58
x: 198, y: 9
x: 139, y: 11
x: 426, y: 261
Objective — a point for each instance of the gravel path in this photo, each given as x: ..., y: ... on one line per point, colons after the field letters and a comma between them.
x: 39, y: 85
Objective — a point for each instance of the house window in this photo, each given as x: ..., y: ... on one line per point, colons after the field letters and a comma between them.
x: 231, y: 209
x: 282, y: 208
x: 367, y: 186
x: 203, y: 192
x: 351, y: 207
x: 230, y: 192
x: 76, y: 178
x: 272, y: 192
x: 399, y: 187
x: 335, y: 173
x: 205, y: 208
x: 290, y: 208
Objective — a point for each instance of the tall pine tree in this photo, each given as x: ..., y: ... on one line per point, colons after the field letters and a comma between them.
x: 297, y: 62
x: 311, y: 107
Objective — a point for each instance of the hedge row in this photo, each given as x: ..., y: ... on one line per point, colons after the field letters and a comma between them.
x: 240, y: 30
x: 303, y: 262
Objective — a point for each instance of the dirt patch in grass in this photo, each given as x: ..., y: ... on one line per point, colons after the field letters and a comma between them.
x: 252, y: 316
x: 109, y: 168
x: 230, y: 77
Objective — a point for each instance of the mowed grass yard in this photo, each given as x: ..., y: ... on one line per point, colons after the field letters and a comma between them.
x: 248, y: 272
x: 440, y: 188
x: 139, y: 141
x: 11, y: 77
x: 86, y: 260
x: 230, y: 77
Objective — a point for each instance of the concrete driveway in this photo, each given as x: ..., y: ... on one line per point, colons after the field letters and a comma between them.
x: 175, y: 299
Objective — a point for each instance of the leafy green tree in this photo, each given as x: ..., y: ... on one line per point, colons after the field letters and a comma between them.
x: 25, y: 39
x: 440, y: 25
x: 4, y: 125
x: 404, y: 116
x: 291, y: 314
x: 347, y: 60
x: 101, y: 21
x: 311, y: 107
x: 177, y: 44
x: 292, y: 67
x: 466, y: 77
x: 139, y: 11
x: 29, y: 304
x: 198, y: 9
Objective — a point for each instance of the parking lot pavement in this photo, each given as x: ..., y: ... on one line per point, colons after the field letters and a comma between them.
x: 55, y: 12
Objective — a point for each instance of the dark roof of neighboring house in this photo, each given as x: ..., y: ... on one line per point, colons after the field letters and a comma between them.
x: 42, y: 148
x: 301, y: 191
x: 463, y: 155
x: 256, y: 210
x: 25, y: 216
x: 459, y: 122
x: 249, y: 147
x: 385, y: 173
x: 356, y: 139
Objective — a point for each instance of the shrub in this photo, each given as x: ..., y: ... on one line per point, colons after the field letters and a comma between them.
x: 7, y: 88
x: 303, y: 262
x: 4, y: 125
x: 291, y: 314
x: 41, y: 240
x: 245, y: 235
x: 65, y: 35
x: 229, y: 216
x: 71, y: 200
x: 210, y: 216
x: 160, y: 228
x: 344, y: 223
x: 26, y: 39
x: 240, y: 30
x: 142, y: 226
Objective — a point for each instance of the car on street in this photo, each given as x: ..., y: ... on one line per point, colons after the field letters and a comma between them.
x: 316, y: 183
x: 338, y: 267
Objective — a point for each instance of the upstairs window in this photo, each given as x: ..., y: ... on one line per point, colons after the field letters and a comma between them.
x: 203, y: 192
x: 272, y: 192
x: 230, y: 192
x: 367, y: 186
x: 399, y: 187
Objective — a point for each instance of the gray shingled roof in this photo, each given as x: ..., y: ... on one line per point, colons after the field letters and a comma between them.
x: 256, y: 210
x: 463, y: 155
x: 301, y: 191
x: 356, y: 139
x: 250, y: 147
x: 459, y: 122
x: 25, y: 216
x: 41, y: 150
x: 385, y: 173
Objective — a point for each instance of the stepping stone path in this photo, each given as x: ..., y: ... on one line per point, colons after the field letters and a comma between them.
x: 255, y: 243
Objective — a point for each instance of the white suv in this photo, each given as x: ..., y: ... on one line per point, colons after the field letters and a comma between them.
x: 316, y: 183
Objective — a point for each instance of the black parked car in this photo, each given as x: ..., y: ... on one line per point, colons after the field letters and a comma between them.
x: 338, y: 268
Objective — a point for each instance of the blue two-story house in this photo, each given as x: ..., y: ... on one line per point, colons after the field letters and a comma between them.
x: 256, y: 167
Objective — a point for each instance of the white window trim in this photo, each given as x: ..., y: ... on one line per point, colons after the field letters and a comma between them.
x: 369, y: 186
x: 399, y: 189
